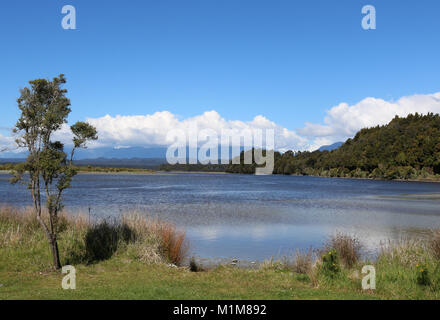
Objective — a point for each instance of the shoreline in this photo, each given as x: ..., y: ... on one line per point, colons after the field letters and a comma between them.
x: 372, y: 179
x: 151, y: 171
x: 180, y: 171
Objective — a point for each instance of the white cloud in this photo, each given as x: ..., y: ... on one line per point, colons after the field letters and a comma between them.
x: 148, y: 130
x: 343, y: 121
x: 6, y: 143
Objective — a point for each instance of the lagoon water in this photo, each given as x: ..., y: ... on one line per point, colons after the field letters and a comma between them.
x: 256, y: 217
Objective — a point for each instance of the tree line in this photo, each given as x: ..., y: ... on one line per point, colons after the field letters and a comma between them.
x: 406, y: 148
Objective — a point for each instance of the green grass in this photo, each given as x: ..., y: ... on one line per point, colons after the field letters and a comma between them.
x: 140, y: 270
x: 119, y: 279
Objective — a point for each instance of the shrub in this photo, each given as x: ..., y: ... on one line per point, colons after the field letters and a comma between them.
x: 194, y: 266
x: 330, y: 263
x: 102, y: 240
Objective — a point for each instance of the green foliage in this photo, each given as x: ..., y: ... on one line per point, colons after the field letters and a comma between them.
x: 83, y: 132
x: 102, y: 240
x: 248, y: 157
x: 423, y: 277
x: 330, y: 263
x: 44, y: 109
x: 406, y: 148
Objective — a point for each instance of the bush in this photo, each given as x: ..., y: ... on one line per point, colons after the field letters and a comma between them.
x: 194, y: 266
x: 102, y: 240
x: 330, y: 263
x: 377, y: 174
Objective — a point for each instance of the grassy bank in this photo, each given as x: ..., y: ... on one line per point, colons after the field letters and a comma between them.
x: 136, y: 258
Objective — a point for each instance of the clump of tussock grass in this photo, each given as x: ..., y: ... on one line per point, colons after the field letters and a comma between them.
x: 348, y: 248
x: 434, y: 243
x: 172, y: 243
x: 277, y: 265
x: 406, y: 252
x: 303, y: 261
x: 398, y: 269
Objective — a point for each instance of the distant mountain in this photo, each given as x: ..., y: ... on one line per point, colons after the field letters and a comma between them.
x: 138, y: 163
x: 13, y: 155
x: 11, y: 160
x: 115, y: 153
x: 121, y: 153
x: 331, y: 147
x: 104, y: 152
x: 123, y: 157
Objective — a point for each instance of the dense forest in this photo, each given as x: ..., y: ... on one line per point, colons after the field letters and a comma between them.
x: 193, y: 167
x: 406, y: 148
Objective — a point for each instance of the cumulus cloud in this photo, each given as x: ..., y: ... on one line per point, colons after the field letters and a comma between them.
x: 343, y: 121
x: 152, y: 130
x: 7, y: 143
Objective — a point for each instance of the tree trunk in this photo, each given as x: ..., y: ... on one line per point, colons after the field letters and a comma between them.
x: 55, y: 252
x: 53, y: 244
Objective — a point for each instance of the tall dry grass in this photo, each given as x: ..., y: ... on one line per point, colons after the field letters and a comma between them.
x: 407, y: 252
x: 348, y: 247
x: 434, y: 243
x: 173, y: 243
x: 303, y: 261
x: 151, y: 241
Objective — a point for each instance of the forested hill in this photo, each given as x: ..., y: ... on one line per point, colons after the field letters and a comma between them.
x: 406, y: 148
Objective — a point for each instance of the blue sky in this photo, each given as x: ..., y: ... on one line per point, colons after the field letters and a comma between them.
x: 289, y: 61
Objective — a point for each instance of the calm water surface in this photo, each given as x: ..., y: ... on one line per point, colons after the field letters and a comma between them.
x: 257, y: 217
